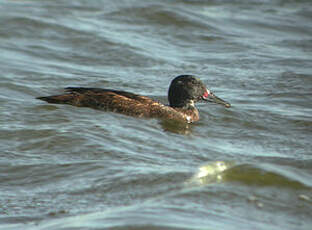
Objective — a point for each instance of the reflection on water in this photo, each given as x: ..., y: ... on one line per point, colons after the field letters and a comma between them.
x: 248, y: 174
x: 176, y: 127
x: 212, y: 172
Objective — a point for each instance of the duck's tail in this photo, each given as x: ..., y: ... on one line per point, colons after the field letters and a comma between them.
x: 60, y: 99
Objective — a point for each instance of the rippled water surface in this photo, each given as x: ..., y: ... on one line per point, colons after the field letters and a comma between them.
x: 247, y: 167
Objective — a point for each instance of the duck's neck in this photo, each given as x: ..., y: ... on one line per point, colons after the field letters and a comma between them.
x: 186, y: 105
x: 188, y: 110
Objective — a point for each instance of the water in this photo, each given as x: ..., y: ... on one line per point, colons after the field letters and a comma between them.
x: 247, y: 167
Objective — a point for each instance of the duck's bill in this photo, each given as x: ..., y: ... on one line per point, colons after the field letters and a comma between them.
x: 214, y: 99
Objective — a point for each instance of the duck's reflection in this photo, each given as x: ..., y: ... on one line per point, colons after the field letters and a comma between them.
x: 176, y: 127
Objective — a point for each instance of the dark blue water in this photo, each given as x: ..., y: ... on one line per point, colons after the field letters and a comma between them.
x: 247, y: 167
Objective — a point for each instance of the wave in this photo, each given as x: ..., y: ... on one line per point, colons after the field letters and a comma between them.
x: 249, y: 174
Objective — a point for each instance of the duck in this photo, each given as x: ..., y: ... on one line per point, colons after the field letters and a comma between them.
x: 184, y: 91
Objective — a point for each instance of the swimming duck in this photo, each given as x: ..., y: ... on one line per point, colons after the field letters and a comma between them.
x: 184, y: 92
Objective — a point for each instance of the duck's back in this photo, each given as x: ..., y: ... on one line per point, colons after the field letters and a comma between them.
x: 104, y: 99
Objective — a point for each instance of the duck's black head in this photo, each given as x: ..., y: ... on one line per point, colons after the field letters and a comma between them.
x: 185, y: 90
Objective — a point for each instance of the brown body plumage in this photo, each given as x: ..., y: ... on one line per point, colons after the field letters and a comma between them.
x: 188, y: 88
